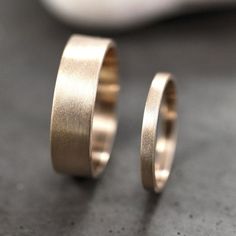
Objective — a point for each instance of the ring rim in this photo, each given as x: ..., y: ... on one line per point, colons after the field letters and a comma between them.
x: 86, y: 91
x: 153, y: 176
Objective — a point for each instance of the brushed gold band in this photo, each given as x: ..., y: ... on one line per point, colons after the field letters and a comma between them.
x: 158, y: 137
x: 83, y: 120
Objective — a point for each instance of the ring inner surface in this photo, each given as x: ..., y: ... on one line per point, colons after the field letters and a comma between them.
x: 166, y: 135
x: 104, y: 117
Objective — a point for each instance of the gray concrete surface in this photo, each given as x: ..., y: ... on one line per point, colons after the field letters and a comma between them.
x: 201, y: 195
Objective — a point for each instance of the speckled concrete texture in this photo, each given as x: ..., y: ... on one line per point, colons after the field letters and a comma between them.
x: 200, y: 196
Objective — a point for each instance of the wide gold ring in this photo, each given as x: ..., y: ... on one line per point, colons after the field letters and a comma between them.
x: 83, y: 120
x: 158, y: 137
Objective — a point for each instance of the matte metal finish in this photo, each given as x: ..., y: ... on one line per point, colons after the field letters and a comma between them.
x: 83, y: 121
x: 158, y: 137
x: 199, y: 199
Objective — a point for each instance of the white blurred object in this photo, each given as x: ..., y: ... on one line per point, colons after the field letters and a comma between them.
x: 121, y: 13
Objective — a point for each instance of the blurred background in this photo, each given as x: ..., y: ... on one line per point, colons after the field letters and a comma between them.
x: 196, y: 41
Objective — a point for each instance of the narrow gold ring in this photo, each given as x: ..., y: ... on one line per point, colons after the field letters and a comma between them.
x: 158, y: 137
x: 83, y: 120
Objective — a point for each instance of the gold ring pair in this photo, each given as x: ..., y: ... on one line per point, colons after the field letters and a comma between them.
x: 84, y: 120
